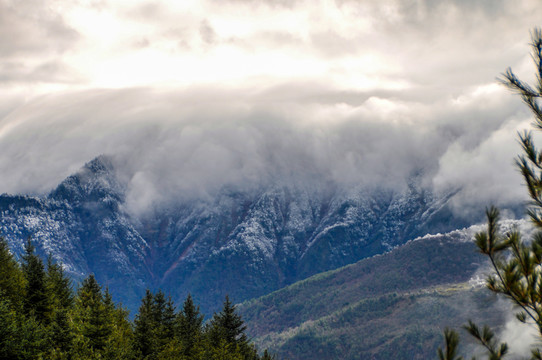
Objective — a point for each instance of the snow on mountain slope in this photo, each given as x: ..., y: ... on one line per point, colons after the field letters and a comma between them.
x: 243, y: 243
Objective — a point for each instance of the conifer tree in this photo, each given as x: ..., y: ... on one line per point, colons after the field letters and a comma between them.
x: 119, y: 345
x: 225, y: 351
x: 9, y: 332
x: 227, y: 325
x: 189, y: 327
x: 227, y: 331
x: 32, y: 338
x: 36, y: 300
x: 108, y: 301
x: 517, y: 265
x: 267, y: 356
x: 90, y: 325
x: 145, y: 327
x: 168, y: 321
x: 154, y: 324
x: 61, y: 335
x: 12, y: 282
x: 158, y: 307
x: 58, y: 286
x: 163, y: 314
x: 91, y: 314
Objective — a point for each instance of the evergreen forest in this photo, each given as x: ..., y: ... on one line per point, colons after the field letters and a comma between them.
x: 42, y: 317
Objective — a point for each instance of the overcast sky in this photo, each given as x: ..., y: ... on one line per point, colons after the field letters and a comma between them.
x: 189, y: 96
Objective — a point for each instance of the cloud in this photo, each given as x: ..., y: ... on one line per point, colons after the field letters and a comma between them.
x: 207, y: 32
x: 189, y: 97
x: 47, y: 71
x: 519, y: 337
x: 479, y: 161
x: 32, y: 36
x: 191, y: 143
x: 37, y: 28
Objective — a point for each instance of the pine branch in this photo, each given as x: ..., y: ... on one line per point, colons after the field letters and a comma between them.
x: 451, y: 339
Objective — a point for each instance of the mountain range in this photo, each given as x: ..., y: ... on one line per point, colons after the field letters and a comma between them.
x: 242, y: 243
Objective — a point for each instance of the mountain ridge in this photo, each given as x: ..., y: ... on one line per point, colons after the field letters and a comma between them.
x: 267, y: 238
x: 392, y: 305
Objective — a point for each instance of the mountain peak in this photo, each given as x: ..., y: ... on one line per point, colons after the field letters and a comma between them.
x: 95, y: 181
x: 102, y: 164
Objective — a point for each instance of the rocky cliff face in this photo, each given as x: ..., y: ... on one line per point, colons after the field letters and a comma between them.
x: 243, y: 243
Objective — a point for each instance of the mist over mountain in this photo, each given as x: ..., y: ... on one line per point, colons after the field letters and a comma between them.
x: 172, y: 146
x: 268, y: 187
x: 243, y: 242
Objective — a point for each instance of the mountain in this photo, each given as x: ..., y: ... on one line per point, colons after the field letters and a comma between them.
x: 245, y: 243
x: 81, y: 225
x: 390, y: 306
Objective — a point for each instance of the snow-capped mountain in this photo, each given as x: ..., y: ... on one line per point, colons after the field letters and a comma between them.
x: 245, y: 244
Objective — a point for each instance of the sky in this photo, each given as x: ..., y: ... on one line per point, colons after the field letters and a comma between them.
x: 191, y: 96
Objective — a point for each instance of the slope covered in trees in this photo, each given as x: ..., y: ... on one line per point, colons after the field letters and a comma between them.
x: 391, y: 306
x: 42, y: 317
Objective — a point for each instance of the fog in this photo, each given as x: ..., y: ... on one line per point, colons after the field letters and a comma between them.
x: 196, y: 141
x: 190, y: 98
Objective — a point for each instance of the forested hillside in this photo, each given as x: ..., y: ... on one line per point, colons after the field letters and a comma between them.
x: 391, y: 306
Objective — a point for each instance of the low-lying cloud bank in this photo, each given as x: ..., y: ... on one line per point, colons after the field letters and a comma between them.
x: 192, y: 142
x: 192, y: 97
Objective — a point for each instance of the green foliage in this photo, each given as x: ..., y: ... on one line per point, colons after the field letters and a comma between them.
x: 58, y: 286
x: 36, y: 301
x: 517, y: 264
x: 92, y: 315
x: 486, y: 337
x: 42, y: 318
x: 452, y: 339
x: 386, y: 307
x: 160, y: 333
x: 155, y: 325
x: 189, y: 328
x: 224, y: 351
x: 267, y: 356
x: 62, y: 333
x: 12, y: 282
x: 32, y: 338
x: 227, y: 331
x: 119, y: 344
x: 228, y: 326
x: 9, y: 333
x: 145, y: 327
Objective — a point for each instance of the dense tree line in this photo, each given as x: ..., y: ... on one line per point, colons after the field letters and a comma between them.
x: 41, y: 317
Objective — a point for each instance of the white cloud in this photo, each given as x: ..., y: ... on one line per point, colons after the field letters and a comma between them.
x: 519, y: 337
x: 193, y: 95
